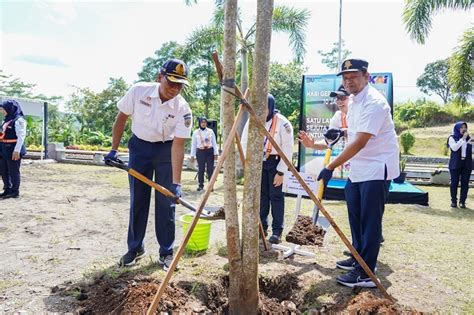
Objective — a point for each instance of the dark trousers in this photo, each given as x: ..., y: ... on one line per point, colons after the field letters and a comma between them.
x: 464, y: 174
x: 205, y: 160
x: 10, y: 169
x: 150, y: 158
x: 365, y: 204
x: 271, y: 196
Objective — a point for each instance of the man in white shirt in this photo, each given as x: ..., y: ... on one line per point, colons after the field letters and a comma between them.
x: 204, y: 149
x: 273, y: 169
x: 161, y: 122
x: 374, y: 154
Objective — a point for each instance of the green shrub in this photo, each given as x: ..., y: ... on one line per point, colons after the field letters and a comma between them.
x: 407, y: 140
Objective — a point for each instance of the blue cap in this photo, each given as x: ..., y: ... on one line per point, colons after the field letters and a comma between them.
x: 353, y: 65
x: 176, y: 71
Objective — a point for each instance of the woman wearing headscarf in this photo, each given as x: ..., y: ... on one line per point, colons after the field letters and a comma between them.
x: 12, y: 144
x: 460, y: 162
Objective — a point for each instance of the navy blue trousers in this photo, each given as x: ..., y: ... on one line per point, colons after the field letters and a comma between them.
x: 205, y: 160
x: 271, y: 196
x: 366, y: 204
x: 9, y: 169
x: 150, y: 159
x: 462, y: 173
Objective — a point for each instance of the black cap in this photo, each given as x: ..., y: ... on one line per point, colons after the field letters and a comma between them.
x: 176, y: 71
x: 341, y: 91
x: 353, y: 65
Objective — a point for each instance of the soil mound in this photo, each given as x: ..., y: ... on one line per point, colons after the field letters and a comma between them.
x: 133, y: 295
x: 367, y: 303
x: 305, y: 232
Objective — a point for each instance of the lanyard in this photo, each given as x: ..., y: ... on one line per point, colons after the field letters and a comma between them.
x: 272, y: 133
x: 202, y: 140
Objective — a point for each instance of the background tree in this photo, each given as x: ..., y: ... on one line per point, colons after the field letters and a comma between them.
x: 435, y: 79
x: 417, y: 17
x: 331, y: 57
x: 285, y: 85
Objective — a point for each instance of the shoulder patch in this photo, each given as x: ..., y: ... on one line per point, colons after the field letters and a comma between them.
x: 187, y: 120
x: 287, y: 127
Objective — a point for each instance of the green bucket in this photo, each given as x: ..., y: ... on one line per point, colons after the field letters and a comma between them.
x: 199, y: 240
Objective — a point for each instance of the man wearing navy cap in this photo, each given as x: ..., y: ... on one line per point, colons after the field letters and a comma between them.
x: 374, y: 155
x: 161, y: 122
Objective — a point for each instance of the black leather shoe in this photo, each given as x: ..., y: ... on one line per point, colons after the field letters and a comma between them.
x: 462, y: 205
x: 10, y: 195
x: 454, y: 205
x: 4, y: 193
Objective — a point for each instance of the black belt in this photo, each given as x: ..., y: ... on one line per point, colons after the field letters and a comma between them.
x: 204, y: 149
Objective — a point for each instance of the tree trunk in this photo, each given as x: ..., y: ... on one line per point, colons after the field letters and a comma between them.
x: 244, y: 83
x: 253, y: 162
x: 230, y: 191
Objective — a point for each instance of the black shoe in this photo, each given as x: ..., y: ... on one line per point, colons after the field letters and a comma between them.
x: 355, y: 278
x: 200, y: 188
x: 11, y: 195
x: 165, y: 261
x: 346, y: 264
x: 129, y: 259
x: 454, y: 205
x: 4, y: 193
x: 462, y: 205
x: 275, y: 239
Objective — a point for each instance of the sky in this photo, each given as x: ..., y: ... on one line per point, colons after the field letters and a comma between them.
x: 59, y: 45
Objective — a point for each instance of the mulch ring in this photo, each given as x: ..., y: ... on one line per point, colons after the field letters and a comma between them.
x: 133, y: 294
x: 305, y: 232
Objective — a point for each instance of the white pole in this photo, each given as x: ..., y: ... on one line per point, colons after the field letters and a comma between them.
x: 340, y: 40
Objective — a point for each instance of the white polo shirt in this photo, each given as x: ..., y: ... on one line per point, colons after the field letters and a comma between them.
x: 283, y: 137
x: 369, y: 112
x: 153, y: 120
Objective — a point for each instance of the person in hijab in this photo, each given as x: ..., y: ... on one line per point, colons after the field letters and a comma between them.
x: 273, y: 169
x: 460, y: 162
x: 12, y: 144
x: 204, y: 149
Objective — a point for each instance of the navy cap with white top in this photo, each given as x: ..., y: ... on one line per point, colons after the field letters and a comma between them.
x: 341, y: 91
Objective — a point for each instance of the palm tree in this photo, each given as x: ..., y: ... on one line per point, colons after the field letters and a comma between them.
x: 285, y: 19
x: 417, y: 17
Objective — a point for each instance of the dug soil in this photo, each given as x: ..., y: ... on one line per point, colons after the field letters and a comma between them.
x: 278, y: 295
x: 127, y: 294
x: 305, y: 232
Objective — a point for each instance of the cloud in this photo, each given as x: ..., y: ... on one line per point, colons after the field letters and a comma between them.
x: 62, y: 13
x: 41, y: 60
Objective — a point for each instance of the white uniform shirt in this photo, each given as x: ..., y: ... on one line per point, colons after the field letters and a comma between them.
x: 456, y: 145
x: 203, y: 138
x: 153, y: 120
x: 369, y: 112
x: 283, y: 137
x: 336, y: 120
x: 20, y: 130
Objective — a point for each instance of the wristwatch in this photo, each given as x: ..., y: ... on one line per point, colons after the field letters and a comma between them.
x: 280, y: 173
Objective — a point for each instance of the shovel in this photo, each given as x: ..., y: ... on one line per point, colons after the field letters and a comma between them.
x: 121, y: 165
x: 331, y: 137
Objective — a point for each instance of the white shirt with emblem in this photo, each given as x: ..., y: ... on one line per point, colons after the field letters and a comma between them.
x: 369, y: 112
x: 203, y: 139
x: 153, y: 120
x: 283, y: 137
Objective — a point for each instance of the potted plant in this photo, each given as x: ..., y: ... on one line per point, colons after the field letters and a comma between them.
x: 401, y: 178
